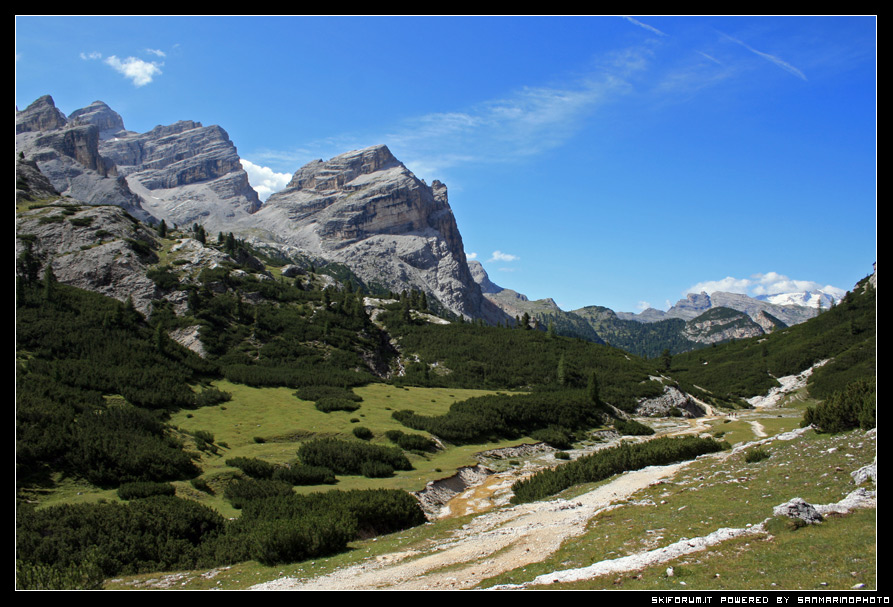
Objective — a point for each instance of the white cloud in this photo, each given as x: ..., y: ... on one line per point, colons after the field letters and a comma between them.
x: 727, y: 284
x: 471, y: 256
x: 91, y: 56
x: 770, y: 283
x: 500, y: 256
x: 643, y: 305
x: 264, y: 180
x: 138, y: 71
x: 156, y: 52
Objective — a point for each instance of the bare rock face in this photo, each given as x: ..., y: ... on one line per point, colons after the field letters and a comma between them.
x: 97, y: 248
x: 670, y: 401
x: 31, y: 184
x: 185, y: 172
x: 367, y: 210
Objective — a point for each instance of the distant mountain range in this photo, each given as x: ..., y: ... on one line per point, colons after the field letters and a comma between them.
x: 363, y: 210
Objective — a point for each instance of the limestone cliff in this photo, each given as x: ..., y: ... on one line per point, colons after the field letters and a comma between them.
x: 367, y: 210
x: 185, y: 172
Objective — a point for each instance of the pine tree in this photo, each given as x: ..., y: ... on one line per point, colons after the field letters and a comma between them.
x: 562, y: 371
x: 592, y: 389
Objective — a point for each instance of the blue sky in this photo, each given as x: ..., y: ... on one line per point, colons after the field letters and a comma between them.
x: 615, y: 161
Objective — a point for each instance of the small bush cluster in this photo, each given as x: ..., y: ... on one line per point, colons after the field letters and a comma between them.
x: 329, y: 404
x: 554, y: 437
x: 295, y: 474
x: 757, y: 454
x: 362, y: 433
x: 853, y: 407
x: 348, y: 457
x: 632, y: 428
x: 410, y: 442
x: 132, y: 491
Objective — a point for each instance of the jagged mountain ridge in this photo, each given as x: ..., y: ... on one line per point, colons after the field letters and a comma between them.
x: 363, y: 209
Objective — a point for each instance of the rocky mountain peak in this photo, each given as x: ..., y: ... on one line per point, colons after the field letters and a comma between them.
x: 108, y: 121
x: 41, y: 115
x: 331, y: 176
x: 365, y: 209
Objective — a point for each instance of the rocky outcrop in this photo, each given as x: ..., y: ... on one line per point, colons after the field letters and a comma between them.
x: 480, y: 276
x: 365, y: 209
x: 437, y: 494
x: 719, y: 325
x: 672, y: 402
x: 31, y: 184
x: 183, y: 173
x: 97, y: 248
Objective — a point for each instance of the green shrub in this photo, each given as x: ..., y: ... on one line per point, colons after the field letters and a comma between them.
x: 376, y: 470
x: 411, y: 442
x: 132, y: 491
x: 554, y: 437
x: 757, y: 454
x: 253, y: 467
x: 608, y: 462
x: 295, y: 539
x: 362, y: 432
x: 329, y: 404
x: 347, y: 457
x: 242, y: 491
x: 853, y: 407
x: 299, y: 474
x: 632, y: 428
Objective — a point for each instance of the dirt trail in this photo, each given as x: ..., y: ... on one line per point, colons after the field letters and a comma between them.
x: 494, y: 542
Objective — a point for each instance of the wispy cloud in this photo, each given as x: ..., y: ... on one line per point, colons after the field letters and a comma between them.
x: 500, y: 256
x: 520, y: 125
x: 771, y: 58
x: 644, y: 26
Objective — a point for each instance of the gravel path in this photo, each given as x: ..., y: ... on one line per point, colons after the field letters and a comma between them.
x: 494, y: 542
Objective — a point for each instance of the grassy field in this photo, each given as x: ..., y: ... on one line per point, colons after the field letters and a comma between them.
x: 270, y: 424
